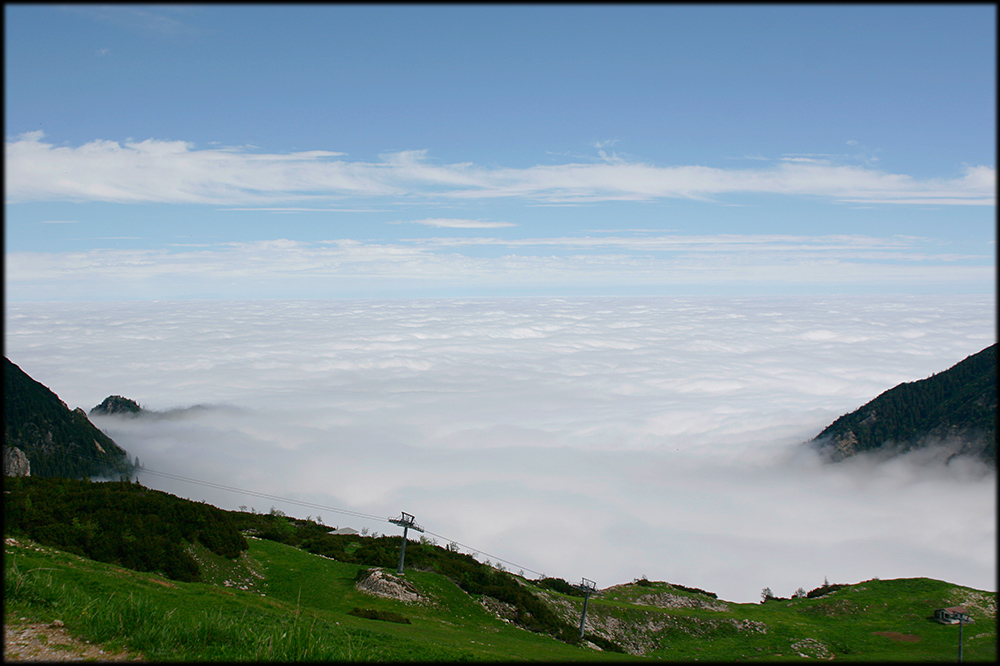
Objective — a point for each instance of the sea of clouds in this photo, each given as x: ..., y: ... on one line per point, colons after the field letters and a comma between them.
x: 609, y: 438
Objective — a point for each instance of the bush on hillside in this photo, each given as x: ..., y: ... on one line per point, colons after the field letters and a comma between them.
x: 373, y: 614
x: 561, y: 586
x: 119, y: 522
x: 823, y: 589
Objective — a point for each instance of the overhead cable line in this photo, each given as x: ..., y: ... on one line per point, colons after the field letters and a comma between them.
x: 499, y: 559
x: 335, y: 510
x: 210, y: 484
x: 323, y: 507
x: 348, y: 512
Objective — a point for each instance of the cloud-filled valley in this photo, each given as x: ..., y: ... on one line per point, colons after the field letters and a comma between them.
x: 602, y: 437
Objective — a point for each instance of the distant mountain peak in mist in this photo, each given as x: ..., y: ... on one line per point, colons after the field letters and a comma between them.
x: 955, y: 410
x: 116, y: 404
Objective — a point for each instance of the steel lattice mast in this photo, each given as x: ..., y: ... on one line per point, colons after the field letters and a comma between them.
x: 405, y: 521
x: 588, y: 587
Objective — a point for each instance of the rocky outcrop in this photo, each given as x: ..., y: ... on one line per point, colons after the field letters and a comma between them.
x: 382, y: 584
x: 669, y: 600
x: 501, y: 609
x: 843, y: 446
x: 15, y: 463
x: 663, y: 595
x: 639, y: 632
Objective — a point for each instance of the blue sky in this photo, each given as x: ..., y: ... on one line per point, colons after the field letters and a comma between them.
x: 349, y: 151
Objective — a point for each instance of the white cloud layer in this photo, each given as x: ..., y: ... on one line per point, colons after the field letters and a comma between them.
x: 605, y: 437
x: 155, y: 170
x: 283, y: 268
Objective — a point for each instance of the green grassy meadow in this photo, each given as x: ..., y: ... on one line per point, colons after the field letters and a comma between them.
x: 277, y: 602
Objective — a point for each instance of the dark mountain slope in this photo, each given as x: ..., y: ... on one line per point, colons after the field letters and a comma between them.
x: 956, y: 408
x: 55, y: 440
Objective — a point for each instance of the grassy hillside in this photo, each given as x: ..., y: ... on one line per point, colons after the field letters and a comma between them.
x: 276, y: 601
x: 296, y: 606
x: 873, y: 620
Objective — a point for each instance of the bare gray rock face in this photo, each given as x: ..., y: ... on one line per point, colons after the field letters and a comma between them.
x: 15, y: 463
x: 383, y: 584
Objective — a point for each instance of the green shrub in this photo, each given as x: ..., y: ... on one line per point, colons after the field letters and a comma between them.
x: 823, y: 589
x: 559, y: 585
x: 694, y: 589
x: 603, y: 643
x: 373, y: 614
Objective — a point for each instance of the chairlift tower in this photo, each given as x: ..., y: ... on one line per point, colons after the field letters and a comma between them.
x: 588, y: 587
x: 961, y: 620
x: 405, y: 521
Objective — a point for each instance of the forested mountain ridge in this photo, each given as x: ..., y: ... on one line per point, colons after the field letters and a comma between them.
x: 53, y: 439
x: 956, y: 409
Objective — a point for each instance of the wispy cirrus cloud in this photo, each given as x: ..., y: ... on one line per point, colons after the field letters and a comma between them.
x: 337, y: 268
x: 163, y: 21
x: 305, y: 209
x: 457, y: 223
x: 694, y: 243
x: 177, y: 172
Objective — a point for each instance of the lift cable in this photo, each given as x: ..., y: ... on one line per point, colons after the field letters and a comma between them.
x: 323, y: 507
x: 311, y: 505
x: 494, y: 557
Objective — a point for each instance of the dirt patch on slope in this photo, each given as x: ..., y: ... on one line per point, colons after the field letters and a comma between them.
x: 34, y: 641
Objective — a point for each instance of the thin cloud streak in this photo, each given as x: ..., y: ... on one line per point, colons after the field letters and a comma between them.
x: 457, y: 223
x: 288, y: 268
x: 141, y: 20
x: 668, y: 427
x: 716, y: 243
x: 176, y: 172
